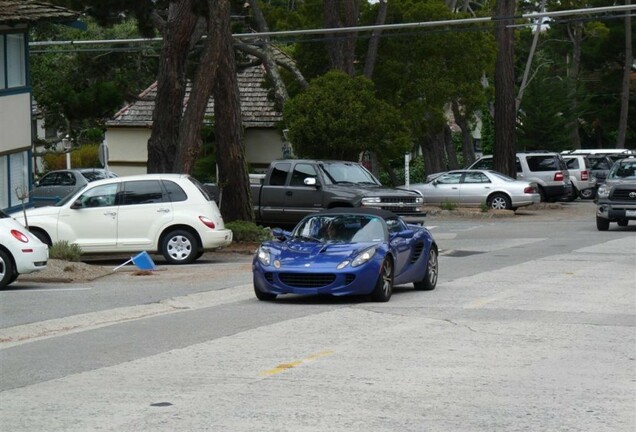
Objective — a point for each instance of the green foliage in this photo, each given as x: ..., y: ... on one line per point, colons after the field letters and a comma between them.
x: 338, y: 117
x: 417, y: 173
x: 205, y: 166
x: 86, y: 156
x: 63, y: 250
x: 248, y: 232
x: 447, y: 205
x: 484, y: 207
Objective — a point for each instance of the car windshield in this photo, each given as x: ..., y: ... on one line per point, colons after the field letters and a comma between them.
x: 623, y: 170
x: 343, y: 172
x: 501, y: 176
x: 349, y: 228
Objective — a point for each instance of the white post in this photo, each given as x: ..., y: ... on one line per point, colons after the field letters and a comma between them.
x: 407, y: 173
x: 67, y: 143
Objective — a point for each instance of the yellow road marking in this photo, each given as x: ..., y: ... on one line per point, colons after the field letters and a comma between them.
x: 284, y: 366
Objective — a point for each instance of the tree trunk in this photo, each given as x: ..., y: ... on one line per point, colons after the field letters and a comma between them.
x: 171, y: 87
x: 374, y: 42
x: 576, y: 37
x: 505, y: 113
x: 190, y: 141
x: 447, y: 136
x: 468, y: 150
x: 341, y: 47
x: 629, y: 58
x: 234, y: 187
x: 280, y: 90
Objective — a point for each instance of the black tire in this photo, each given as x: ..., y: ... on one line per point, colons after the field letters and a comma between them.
x: 623, y: 223
x: 262, y: 296
x: 42, y: 236
x: 541, y: 194
x: 602, y: 224
x: 179, y: 247
x: 573, y: 196
x: 430, y: 277
x: 384, y: 286
x: 7, y: 270
x: 499, y: 201
x: 587, y: 194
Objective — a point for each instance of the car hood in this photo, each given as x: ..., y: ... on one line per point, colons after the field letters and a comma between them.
x: 300, y: 254
x: 372, y: 190
x: 39, y: 211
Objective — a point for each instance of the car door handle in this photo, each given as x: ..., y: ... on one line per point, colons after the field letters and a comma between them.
x: 163, y: 210
x: 113, y: 214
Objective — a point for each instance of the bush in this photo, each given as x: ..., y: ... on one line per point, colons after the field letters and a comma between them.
x: 248, y: 232
x: 86, y: 156
x: 447, y: 205
x: 66, y: 251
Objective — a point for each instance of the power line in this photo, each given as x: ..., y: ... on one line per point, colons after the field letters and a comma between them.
x: 537, y: 15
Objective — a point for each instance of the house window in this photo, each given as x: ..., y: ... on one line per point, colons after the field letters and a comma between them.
x: 13, y: 71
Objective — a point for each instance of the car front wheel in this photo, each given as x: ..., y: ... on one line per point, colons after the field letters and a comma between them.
x: 587, y: 193
x: 602, y: 224
x: 179, y: 247
x: 7, y: 270
x: 384, y: 285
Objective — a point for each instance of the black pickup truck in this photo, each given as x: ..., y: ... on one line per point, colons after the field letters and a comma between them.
x: 293, y: 188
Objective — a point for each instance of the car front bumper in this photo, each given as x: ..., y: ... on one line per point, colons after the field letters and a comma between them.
x: 616, y: 211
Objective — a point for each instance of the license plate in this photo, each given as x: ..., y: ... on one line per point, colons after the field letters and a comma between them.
x: 630, y: 213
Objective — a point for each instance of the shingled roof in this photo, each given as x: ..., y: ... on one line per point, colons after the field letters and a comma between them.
x: 257, y: 109
x: 30, y: 12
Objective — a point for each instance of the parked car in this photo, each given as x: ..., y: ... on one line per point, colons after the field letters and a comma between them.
x: 616, y: 198
x: 584, y: 183
x: 55, y: 185
x: 371, y: 251
x: 20, y: 251
x: 546, y: 169
x: 600, y: 166
x: 478, y: 187
x: 171, y: 214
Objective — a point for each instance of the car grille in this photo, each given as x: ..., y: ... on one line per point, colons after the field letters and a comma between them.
x: 269, y: 277
x: 624, y: 193
x: 400, y: 205
x: 307, y: 280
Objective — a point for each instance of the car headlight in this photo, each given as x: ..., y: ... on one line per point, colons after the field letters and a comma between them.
x: 371, y: 200
x: 263, y: 256
x: 364, y: 256
x: 603, y: 191
x: 419, y: 200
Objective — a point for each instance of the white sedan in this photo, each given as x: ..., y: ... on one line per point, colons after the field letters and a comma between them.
x: 20, y: 251
x: 478, y: 187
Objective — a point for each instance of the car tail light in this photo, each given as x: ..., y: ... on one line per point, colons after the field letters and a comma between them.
x: 584, y: 175
x: 530, y: 190
x: 558, y: 176
x: 19, y: 236
x: 207, y: 222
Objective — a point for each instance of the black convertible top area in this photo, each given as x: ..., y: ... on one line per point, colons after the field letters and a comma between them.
x: 384, y: 214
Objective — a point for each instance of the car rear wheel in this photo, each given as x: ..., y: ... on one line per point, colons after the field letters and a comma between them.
x: 430, y: 277
x: 602, y: 224
x: 179, y: 247
x: 499, y: 201
x: 263, y: 296
x: 384, y: 285
x: 587, y: 193
x: 7, y: 270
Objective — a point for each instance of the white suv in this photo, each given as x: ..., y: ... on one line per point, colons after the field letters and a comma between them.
x: 171, y: 214
x: 584, y: 183
x: 547, y: 169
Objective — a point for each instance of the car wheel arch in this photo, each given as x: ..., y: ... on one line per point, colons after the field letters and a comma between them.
x: 506, y: 196
x: 41, y: 234
x: 166, y: 231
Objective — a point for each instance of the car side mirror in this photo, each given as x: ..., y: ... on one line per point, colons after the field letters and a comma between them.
x: 77, y: 205
x: 310, y: 181
x: 279, y: 234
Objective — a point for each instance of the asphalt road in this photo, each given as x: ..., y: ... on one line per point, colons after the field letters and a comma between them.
x: 531, y: 328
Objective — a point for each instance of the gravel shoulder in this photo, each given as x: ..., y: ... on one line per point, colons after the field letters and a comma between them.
x: 59, y: 271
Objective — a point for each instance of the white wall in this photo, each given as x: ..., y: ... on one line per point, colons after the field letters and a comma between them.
x: 15, y: 122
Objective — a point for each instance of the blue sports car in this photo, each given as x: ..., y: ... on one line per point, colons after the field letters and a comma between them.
x: 346, y: 251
